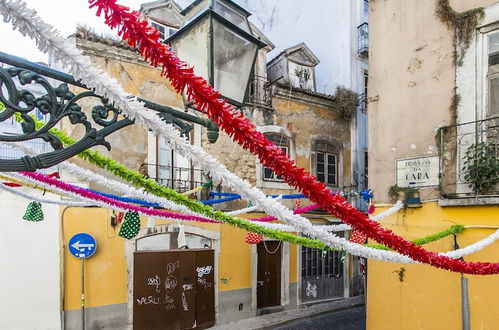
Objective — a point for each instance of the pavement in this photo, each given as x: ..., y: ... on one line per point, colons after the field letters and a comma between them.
x: 342, y: 314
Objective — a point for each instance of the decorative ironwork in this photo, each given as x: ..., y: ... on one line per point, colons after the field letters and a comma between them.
x: 180, y: 179
x: 26, y: 93
x: 21, y: 102
x: 259, y: 92
x: 469, y: 164
x: 363, y: 39
x: 362, y: 102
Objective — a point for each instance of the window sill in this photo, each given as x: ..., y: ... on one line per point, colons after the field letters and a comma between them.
x: 273, y: 184
x: 470, y: 201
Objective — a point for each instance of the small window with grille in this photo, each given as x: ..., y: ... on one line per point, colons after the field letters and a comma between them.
x: 282, y: 142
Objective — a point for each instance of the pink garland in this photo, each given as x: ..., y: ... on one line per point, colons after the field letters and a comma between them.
x: 129, y: 207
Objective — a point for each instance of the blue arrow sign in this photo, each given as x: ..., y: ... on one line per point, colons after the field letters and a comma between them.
x: 82, y: 245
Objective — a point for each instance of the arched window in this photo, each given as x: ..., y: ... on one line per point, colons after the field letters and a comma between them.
x: 326, y: 162
x: 281, y: 141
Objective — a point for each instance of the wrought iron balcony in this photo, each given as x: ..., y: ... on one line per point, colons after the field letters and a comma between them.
x: 362, y: 101
x: 259, y: 92
x: 469, y: 164
x: 363, y: 40
x: 180, y: 179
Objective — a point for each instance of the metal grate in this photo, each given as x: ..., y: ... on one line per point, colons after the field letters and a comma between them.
x: 363, y: 39
x: 469, y: 164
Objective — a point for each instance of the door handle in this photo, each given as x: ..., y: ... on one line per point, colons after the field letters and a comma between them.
x: 260, y: 282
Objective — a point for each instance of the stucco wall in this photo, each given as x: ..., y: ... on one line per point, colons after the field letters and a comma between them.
x: 411, y: 82
x: 430, y: 298
x: 29, y: 280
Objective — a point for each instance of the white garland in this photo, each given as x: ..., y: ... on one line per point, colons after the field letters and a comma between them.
x: 31, y: 197
x: 249, y: 209
x: 62, y: 50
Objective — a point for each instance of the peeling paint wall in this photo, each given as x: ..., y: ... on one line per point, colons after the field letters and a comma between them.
x: 129, y: 145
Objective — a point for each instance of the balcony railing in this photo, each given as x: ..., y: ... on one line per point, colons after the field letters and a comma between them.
x: 259, y: 92
x: 469, y: 164
x: 180, y: 179
x: 363, y: 40
x: 362, y: 102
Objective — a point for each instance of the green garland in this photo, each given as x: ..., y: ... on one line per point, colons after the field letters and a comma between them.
x: 428, y: 239
x: 154, y: 188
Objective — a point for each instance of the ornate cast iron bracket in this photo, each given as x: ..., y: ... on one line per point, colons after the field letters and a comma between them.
x: 25, y: 92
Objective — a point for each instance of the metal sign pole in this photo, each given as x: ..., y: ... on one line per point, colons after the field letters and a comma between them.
x: 83, y: 294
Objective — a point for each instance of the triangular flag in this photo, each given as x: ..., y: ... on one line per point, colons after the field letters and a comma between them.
x: 131, y: 225
x: 33, y: 212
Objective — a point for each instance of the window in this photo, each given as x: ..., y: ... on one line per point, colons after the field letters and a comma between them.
x: 282, y: 142
x: 493, y: 75
x: 326, y: 163
x: 164, y: 31
x: 366, y: 6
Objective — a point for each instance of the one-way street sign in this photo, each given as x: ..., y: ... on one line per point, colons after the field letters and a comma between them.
x: 82, y: 245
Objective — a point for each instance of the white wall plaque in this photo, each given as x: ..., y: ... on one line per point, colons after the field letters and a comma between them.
x: 417, y: 172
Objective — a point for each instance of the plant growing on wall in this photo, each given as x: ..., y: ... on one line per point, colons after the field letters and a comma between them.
x: 481, y: 166
x: 464, y: 25
x: 346, y: 102
x: 303, y: 75
x: 407, y: 192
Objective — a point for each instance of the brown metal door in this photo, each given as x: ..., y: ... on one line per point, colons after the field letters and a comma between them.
x: 166, y: 290
x: 205, y: 291
x: 269, y: 274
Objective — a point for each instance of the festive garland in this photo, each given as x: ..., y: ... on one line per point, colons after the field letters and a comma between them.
x: 127, y: 190
x: 110, y: 203
x: 140, y: 35
x: 428, y: 239
x: 341, y: 245
x: 27, y: 22
x: 41, y: 199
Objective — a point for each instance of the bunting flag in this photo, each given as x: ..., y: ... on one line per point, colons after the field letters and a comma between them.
x: 33, y: 212
x: 131, y: 225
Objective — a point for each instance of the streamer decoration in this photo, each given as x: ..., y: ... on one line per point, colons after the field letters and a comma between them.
x: 26, y: 21
x: 139, y: 34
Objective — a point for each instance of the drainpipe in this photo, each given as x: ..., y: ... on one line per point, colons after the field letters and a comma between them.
x: 63, y: 268
x: 465, y: 302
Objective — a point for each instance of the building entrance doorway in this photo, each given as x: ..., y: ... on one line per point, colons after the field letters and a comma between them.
x: 173, y: 289
x: 269, y: 274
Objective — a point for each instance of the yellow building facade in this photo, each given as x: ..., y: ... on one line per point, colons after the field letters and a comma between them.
x: 431, y: 102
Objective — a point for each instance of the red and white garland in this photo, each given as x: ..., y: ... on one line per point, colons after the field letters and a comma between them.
x: 242, y: 131
x: 141, y: 35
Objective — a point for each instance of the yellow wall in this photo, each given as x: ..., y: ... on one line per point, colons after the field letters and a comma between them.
x: 105, y: 271
x: 430, y: 298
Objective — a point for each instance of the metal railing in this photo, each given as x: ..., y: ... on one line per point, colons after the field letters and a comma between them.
x: 259, y: 92
x: 469, y: 159
x: 362, y: 102
x: 180, y: 179
x: 363, y: 40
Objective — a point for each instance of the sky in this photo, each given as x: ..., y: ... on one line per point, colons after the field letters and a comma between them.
x: 64, y: 15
